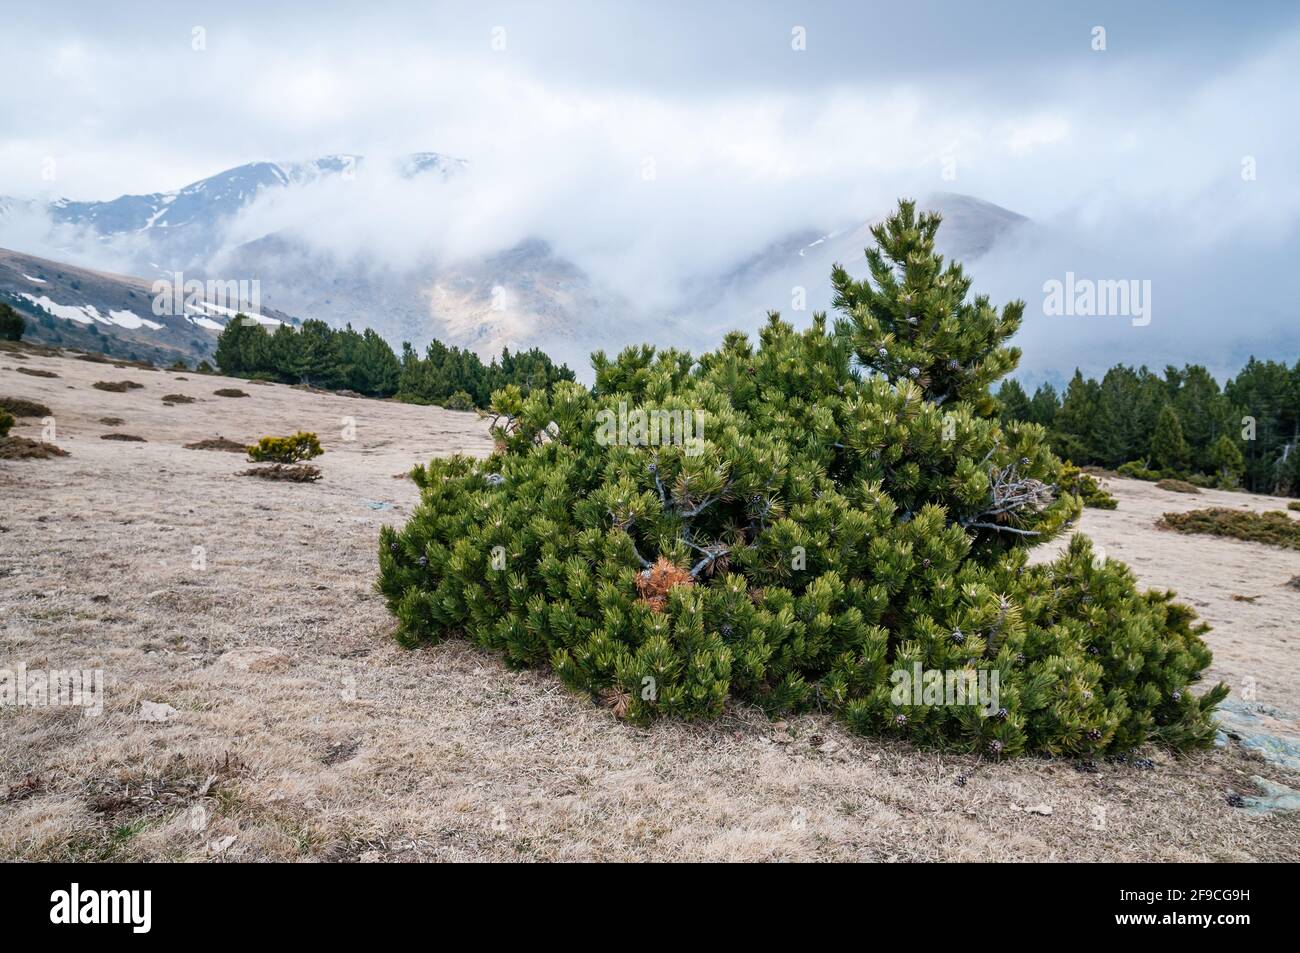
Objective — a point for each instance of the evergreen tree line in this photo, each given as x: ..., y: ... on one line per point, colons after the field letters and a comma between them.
x: 321, y: 356
x: 1180, y: 424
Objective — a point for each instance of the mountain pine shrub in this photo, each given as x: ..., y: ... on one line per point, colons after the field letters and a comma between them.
x: 6, y: 422
x: 1085, y: 486
x: 293, y: 449
x: 1274, y: 527
x: 811, y: 520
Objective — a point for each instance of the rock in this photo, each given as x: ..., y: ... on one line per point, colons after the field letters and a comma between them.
x: 1276, y: 799
x: 1044, y: 809
x: 1268, y: 731
x: 221, y: 845
x: 256, y: 658
x: 156, y: 712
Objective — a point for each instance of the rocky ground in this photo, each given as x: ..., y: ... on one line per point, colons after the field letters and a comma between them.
x: 255, y: 706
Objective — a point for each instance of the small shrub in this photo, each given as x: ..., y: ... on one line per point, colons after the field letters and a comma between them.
x: 6, y: 421
x: 130, y: 437
x: 35, y: 372
x: 1138, y: 470
x: 177, y: 399
x: 300, y: 446
x: 1294, y: 505
x: 302, y: 473
x: 116, y: 387
x: 1204, y: 481
x: 111, y: 421
x: 21, y: 407
x: 1178, y: 486
x: 20, y: 448
x: 459, y: 401
x: 1274, y: 528
x: 1085, y: 486
x: 218, y: 443
x: 203, y: 367
x: 229, y: 392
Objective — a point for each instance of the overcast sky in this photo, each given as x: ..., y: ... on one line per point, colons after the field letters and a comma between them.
x: 559, y: 106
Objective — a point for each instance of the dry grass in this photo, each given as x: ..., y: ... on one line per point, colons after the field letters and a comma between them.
x: 1178, y: 486
x: 33, y: 372
x: 21, y: 407
x: 230, y: 392
x: 116, y: 387
x: 14, y: 447
x: 111, y: 421
x: 218, y: 443
x: 350, y: 747
x: 177, y: 399
x: 302, y: 473
x: 128, y: 437
x: 1274, y: 528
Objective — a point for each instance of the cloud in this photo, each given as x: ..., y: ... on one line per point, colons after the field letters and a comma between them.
x: 658, y: 151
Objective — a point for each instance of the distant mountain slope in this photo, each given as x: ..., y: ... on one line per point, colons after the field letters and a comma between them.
x: 523, y: 294
x: 114, y: 314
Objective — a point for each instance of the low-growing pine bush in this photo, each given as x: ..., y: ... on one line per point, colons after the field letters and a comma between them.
x: 1274, y: 527
x: 1085, y: 487
x: 1178, y: 486
x: 459, y: 401
x: 829, y: 518
x: 1138, y: 470
x: 293, y: 449
x: 6, y: 422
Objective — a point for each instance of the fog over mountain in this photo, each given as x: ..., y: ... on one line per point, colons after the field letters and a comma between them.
x: 499, y: 176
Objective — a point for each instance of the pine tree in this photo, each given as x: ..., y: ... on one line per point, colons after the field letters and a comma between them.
x: 1227, y: 461
x: 1074, y: 434
x: 1169, y: 449
x: 807, y: 519
x: 1014, y: 402
x: 315, y: 359
x: 12, y: 324
x: 378, y: 371
x: 1044, y: 406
